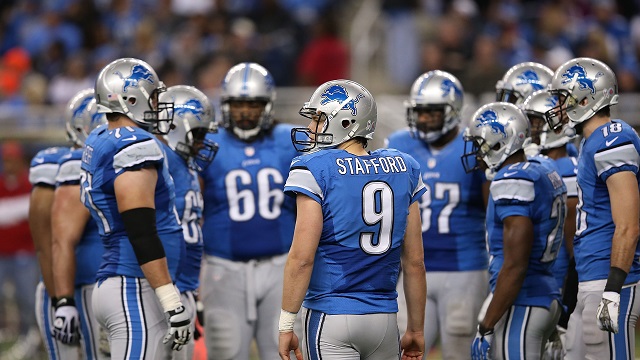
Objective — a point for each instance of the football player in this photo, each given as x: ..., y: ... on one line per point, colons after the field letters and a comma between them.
x: 188, y: 152
x: 607, y: 228
x: 357, y: 219
x: 42, y: 175
x: 553, y: 144
x: 77, y: 248
x: 525, y: 218
x: 127, y: 187
x: 248, y: 223
x: 452, y: 210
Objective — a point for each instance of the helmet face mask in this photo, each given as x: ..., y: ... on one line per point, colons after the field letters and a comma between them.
x: 193, y: 119
x: 522, y: 80
x: 584, y: 86
x: 537, y: 106
x: 345, y: 109
x: 432, y: 92
x: 497, y: 131
x: 81, y: 117
x: 131, y: 87
x: 248, y: 93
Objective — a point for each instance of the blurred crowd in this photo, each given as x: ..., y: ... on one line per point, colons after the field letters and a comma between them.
x: 50, y: 49
x: 478, y: 41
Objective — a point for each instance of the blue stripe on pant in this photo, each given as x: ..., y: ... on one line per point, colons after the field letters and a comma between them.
x: 515, y: 331
x: 52, y: 347
x: 313, y: 327
x: 621, y: 341
x: 134, y: 315
x: 83, y: 303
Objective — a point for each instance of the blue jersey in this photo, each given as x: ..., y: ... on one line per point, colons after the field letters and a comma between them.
x: 535, y: 190
x: 453, y: 210
x: 189, y: 207
x: 567, y: 168
x: 89, y: 250
x: 611, y: 148
x: 108, y: 154
x: 365, y: 202
x: 44, y: 166
x: 246, y: 214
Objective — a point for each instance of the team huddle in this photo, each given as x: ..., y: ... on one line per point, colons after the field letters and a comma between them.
x: 158, y: 217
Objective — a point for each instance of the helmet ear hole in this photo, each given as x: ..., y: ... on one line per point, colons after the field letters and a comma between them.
x: 346, y: 123
x: 131, y: 100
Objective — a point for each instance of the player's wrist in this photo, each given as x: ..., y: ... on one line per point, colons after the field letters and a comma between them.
x: 484, y: 330
x: 287, y: 319
x: 169, y: 297
x: 65, y: 301
x: 616, y: 279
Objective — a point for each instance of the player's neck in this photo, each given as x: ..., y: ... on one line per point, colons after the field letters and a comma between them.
x: 516, y: 157
x: 556, y: 153
x: 353, y: 147
x: 592, y: 124
x: 445, y: 139
x: 121, y: 121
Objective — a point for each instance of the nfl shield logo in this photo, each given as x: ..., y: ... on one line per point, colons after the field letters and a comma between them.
x: 249, y: 151
x: 431, y: 163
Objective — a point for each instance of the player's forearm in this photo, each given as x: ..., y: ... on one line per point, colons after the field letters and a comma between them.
x: 40, y: 226
x: 508, y: 285
x: 297, y: 275
x: 415, y: 288
x: 64, y: 268
x: 157, y: 272
x: 624, y: 242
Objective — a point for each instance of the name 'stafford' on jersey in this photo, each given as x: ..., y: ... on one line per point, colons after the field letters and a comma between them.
x: 358, y: 166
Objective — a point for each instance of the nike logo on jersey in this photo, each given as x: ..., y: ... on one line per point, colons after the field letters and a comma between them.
x: 507, y: 174
x: 609, y: 142
x: 133, y: 137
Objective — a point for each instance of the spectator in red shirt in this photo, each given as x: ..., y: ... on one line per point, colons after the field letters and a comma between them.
x: 17, y: 255
x: 325, y: 57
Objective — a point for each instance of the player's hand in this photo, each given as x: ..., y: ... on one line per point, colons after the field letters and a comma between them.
x: 608, y: 311
x: 66, y: 324
x: 412, y: 345
x: 482, y: 345
x: 553, y: 350
x: 179, y: 321
x: 288, y: 342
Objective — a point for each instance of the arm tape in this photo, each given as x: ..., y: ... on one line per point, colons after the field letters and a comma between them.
x: 615, y: 280
x: 140, y: 225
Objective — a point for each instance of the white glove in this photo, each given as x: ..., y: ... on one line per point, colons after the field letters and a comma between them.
x: 531, y: 149
x: 608, y: 311
x: 65, y: 325
x: 553, y: 350
x: 179, y: 321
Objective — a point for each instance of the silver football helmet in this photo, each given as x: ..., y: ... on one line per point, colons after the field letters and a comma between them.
x: 348, y: 111
x: 522, y: 80
x: 497, y: 130
x: 131, y: 87
x: 81, y: 117
x: 535, y: 106
x: 435, y: 90
x: 248, y: 82
x: 193, y: 119
x: 583, y: 86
